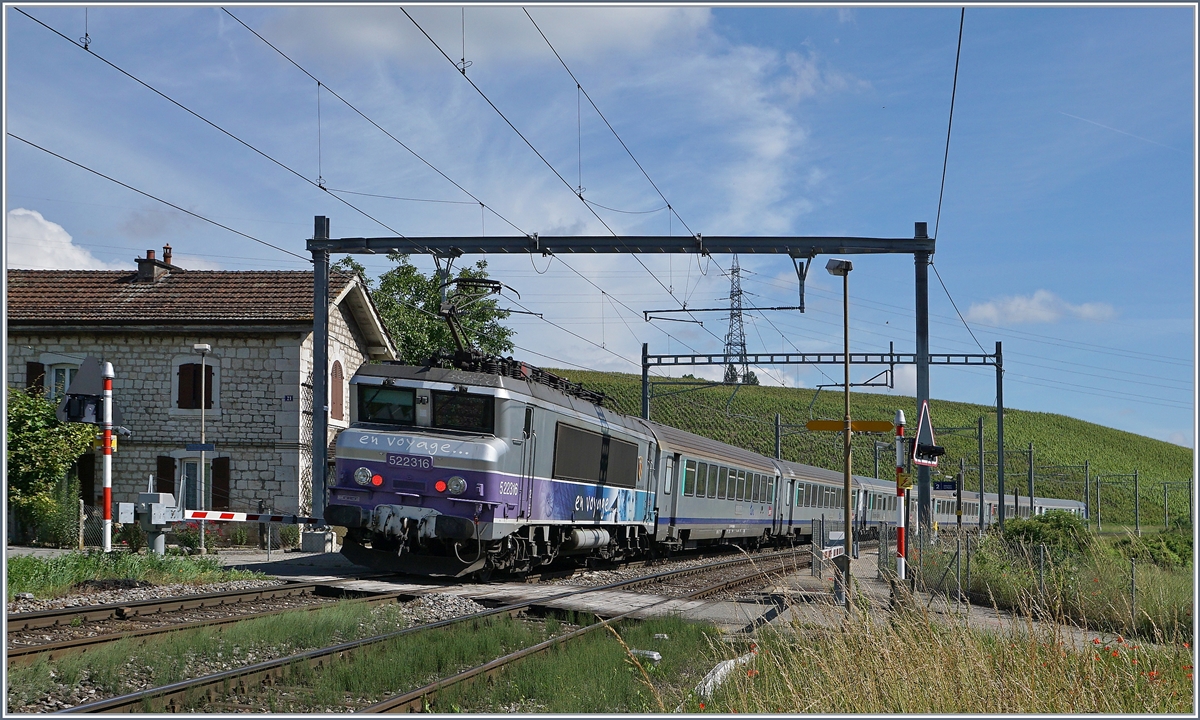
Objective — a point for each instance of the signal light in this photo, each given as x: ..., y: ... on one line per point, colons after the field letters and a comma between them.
x: 376, y: 480
x: 440, y: 486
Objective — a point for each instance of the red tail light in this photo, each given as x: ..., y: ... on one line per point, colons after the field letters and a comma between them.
x: 440, y: 486
x: 376, y: 480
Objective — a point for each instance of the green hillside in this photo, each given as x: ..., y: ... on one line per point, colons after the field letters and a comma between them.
x: 748, y: 421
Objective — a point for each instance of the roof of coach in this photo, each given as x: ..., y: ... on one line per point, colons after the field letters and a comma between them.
x: 676, y: 440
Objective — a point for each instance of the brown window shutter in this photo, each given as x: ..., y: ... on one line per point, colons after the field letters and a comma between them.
x: 35, y: 376
x: 164, y: 480
x: 337, y: 401
x: 187, y: 387
x: 220, y: 483
x: 208, y: 387
x: 85, y: 469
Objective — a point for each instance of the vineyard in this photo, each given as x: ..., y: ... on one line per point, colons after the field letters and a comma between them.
x: 748, y: 420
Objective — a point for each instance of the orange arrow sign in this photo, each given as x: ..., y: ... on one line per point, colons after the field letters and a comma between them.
x: 855, y: 425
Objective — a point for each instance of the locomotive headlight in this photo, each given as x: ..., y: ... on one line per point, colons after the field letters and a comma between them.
x: 456, y: 485
x: 362, y: 476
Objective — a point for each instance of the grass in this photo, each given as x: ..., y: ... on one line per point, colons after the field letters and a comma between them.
x: 1089, y: 588
x: 597, y: 674
x: 116, y: 668
x: 748, y: 421
x: 909, y: 664
x: 54, y: 577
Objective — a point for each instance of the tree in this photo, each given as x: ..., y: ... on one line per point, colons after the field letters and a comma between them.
x: 40, y: 448
x: 409, y: 302
x: 40, y: 452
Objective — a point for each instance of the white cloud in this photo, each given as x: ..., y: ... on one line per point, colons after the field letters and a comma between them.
x: 35, y: 243
x: 347, y: 35
x: 1041, y: 307
x: 1179, y: 438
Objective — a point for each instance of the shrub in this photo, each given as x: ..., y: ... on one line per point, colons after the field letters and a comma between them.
x: 1061, y: 532
x: 289, y: 536
x: 132, y: 535
x: 187, y: 534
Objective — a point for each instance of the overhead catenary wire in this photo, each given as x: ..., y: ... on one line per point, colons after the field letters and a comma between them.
x: 413, y: 153
x: 377, y: 126
x: 530, y: 145
x: 606, y: 122
x: 157, y: 199
x: 213, y: 125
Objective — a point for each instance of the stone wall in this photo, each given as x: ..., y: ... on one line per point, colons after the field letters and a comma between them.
x: 258, y: 419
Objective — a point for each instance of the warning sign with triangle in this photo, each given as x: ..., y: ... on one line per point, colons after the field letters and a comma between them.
x: 925, y: 451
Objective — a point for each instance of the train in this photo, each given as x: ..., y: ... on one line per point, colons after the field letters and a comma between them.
x: 474, y: 464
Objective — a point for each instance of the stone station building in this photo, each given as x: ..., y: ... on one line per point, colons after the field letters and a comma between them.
x: 257, y: 377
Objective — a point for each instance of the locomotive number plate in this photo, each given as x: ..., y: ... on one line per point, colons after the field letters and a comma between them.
x: 410, y: 461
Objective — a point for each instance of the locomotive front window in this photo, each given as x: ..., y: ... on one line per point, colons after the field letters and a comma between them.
x: 463, y: 411
x: 386, y: 404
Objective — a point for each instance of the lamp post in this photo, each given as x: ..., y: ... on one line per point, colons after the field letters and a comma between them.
x: 204, y: 349
x: 842, y: 268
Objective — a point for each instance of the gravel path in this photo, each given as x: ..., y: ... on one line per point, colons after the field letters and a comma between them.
x: 134, y: 594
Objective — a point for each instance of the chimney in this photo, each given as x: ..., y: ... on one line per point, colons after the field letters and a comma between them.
x: 151, y: 269
x: 167, y: 254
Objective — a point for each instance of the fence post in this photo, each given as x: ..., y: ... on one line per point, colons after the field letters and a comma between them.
x: 82, y: 516
x: 958, y: 565
x: 1132, y: 596
x: 1137, y: 516
x: 968, y: 569
x: 1042, y: 572
x: 1166, y: 517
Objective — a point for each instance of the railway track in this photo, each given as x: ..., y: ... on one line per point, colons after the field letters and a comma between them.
x: 178, y: 695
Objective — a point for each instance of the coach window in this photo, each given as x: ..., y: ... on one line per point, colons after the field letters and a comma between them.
x: 752, y: 490
x: 689, y: 478
x: 770, y: 489
x: 712, y: 480
x: 738, y: 479
x: 701, y: 479
x: 722, y: 482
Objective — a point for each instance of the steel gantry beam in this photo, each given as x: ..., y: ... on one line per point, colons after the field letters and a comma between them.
x: 920, y: 246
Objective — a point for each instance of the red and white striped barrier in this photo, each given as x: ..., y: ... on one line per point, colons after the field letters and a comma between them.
x: 833, y: 551
x: 249, y: 517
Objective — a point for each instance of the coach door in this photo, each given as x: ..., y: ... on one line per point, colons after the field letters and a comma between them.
x: 528, y: 453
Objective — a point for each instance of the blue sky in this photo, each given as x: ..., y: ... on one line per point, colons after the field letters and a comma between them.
x: 1067, y: 228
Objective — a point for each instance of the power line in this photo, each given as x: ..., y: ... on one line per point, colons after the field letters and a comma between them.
x: 364, y: 116
x: 1020, y: 334
x: 953, y: 91
x: 418, y: 156
x: 212, y: 124
x: 531, y: 147
x: 156, y: 198
x: 606, y: 122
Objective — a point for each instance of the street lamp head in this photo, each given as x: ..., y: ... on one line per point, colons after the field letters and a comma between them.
x: 839, y: 267
x: 202, y: 348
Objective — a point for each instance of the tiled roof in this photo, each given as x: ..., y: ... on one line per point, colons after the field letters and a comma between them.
x: 107, y: 296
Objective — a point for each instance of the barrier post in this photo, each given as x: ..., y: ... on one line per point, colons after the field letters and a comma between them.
x: 108, y: 401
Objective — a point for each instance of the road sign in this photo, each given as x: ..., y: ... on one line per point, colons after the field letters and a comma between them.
x: 855, y: 426
x: 904, y: 481
x: 925, y: 451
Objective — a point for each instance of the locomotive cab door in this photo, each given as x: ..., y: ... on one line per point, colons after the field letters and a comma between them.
x: 528, y: 453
